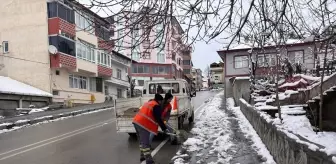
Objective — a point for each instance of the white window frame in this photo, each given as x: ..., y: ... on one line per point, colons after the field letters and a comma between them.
x: 85, y: 52
x: 119, y: 74
x: 265, y: 60
x: 84, y: 21
x: 76, y: 81
x: 239, y: 59
x: 5, y: 45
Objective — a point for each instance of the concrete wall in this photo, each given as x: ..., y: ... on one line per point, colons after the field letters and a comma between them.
x: 24, y: 24
x: 284, y: 149
x: 241, y: 89
x: 229, y: 64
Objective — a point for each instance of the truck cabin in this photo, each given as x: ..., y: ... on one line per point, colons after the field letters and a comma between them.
x: 163, y: 87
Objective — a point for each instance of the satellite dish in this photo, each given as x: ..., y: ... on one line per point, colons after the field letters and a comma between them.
x: 52, y: 49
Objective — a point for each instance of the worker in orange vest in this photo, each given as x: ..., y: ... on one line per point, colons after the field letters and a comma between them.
x: 147, y: 121
x: 166, y: 106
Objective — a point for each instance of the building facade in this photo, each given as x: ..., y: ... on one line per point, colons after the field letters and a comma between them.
x: 237, y: 61
x: 84, y: 57
x: 217, y: 74
x: 157, y: 57
x: 197, y: 78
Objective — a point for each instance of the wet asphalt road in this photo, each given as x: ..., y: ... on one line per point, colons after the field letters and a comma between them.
x: 87, y: 139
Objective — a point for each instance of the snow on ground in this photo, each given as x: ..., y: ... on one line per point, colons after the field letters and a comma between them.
x: 46, y: 121
x: 249, y: 131
x: 211, y: 137
x: 299, y: 125
x: 35, y: 110
x: 2, y: 117
x: 11, y: 86
x: 214, y: 139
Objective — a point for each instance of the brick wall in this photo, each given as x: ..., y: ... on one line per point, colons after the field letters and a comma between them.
x: 56, y: 24
x: 67, y: 27
x: 107, y: 45
x: 104, y: 71
x: 67, y: 61
x: 53, y: 26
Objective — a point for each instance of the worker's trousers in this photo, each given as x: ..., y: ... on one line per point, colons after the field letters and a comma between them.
x: 144, y: 144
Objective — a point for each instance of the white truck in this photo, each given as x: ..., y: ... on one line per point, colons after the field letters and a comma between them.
x: 126, y: 109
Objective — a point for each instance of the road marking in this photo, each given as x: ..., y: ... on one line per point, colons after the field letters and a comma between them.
x: 156, y: 150
x: 68, y: 134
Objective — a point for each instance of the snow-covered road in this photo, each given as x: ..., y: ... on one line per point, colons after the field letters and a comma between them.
x: 221, y: 135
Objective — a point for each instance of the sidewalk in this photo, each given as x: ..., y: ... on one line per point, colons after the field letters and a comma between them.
x: 220, y: 137
x: 8, y: 123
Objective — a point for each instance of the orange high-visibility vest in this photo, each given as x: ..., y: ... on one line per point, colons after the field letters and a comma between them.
x: 145, y: 117
x: 165, y: 110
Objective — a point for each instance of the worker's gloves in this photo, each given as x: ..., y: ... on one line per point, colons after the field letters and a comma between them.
x: 167, y: 131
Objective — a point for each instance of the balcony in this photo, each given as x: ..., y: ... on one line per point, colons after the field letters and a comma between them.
x: 61, y: 60
x: 117, y: 81
x: 107, y: 45
x: 86, y: 66
x: 104, y: 71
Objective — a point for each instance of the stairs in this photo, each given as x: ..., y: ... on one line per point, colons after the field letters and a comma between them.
x: 328, y: 115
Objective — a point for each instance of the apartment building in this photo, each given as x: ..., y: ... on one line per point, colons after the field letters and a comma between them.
x: 187, y: 62
x: 158, y: 56
x: 217, y: 73
x: 84, y: 60
x: 197, y: 78
x: 237, y: 60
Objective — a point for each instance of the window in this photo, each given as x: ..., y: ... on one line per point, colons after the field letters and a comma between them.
x: 55, y: 93
x: 79, y: 82
x: 60, y: 10
x: 84, y: 22
x: 140, y: 69
x: 119, y: 93
x: 186, y: 62
x: 186, y: 71
x: 5, y: 47
x: 240, y: 61
x: 265, y: 60
x: 57, y: 72
x: 85, y: 51
x: 160, y: 70
x: 296, y: 56
x: 136, y: 56
x: 67, y: 35
x: 141, y: 82
x: 104, y: 58
x: 163, y: 88
x: 160, y: 57
x: 63, y: 45
x: 99, y: 84
x: 118, y: 73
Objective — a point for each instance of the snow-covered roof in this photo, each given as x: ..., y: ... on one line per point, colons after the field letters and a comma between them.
x: 11, y: 86
x: 241, y: 46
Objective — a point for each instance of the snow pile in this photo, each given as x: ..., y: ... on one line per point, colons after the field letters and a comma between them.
x: 292, y: 84
x: 300, y: 125
x: 11, y: 86
x: 295, y: 126
x: 46, y: 121
x: 249, y: 132
x: 307, y: 77
x: 35, y: 110
x: 2, y: 117
x: 211, y: 137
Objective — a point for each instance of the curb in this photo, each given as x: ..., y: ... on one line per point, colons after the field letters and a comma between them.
x: 33, y: 121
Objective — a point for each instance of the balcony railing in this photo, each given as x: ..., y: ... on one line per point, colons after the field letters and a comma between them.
x: 118, y: 82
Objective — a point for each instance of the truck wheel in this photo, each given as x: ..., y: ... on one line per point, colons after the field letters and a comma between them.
x: 133, y: 135
x: 191, y: 118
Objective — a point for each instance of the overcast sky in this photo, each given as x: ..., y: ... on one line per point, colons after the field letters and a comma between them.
x: 203, y: 54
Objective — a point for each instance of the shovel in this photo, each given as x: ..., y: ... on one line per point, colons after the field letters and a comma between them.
x: 178, y: 137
